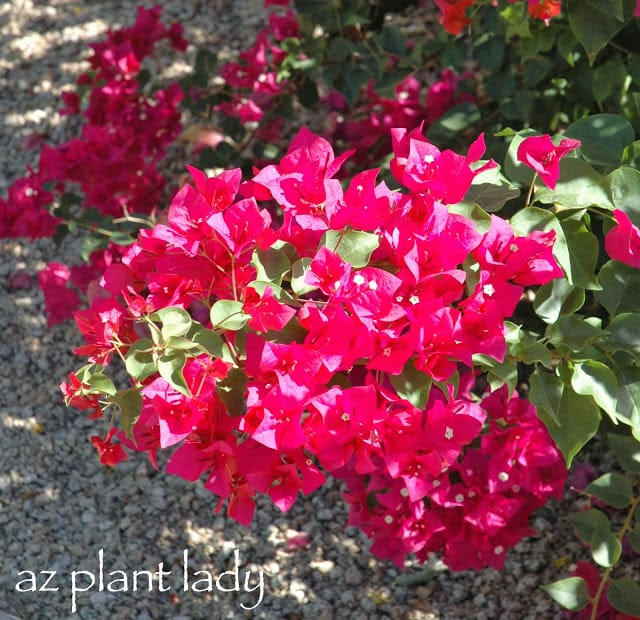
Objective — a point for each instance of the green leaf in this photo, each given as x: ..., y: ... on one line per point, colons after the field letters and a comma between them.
x: 228, y: 314
x: 613, y: 489
x: 353, y: 246
x: 556, y: 298
x: 627, y: 451
x: 299, y: 270
x: 490, y: 52
x: 578, y: 421
x: 579, y: 187
x: 575, y: 332
x: 231, y: 392
x: 583, y: 254
x: 412, y: 384
x: 604, y: 137
x: 210, y: 342
x: 170, y: 367
x: 175, y: 321
x: 354, y: 80
x: 624, y: 595
x: 130, y: 404
x: 571, y: 593
x: 605, y: 548
x: 593, y: 28
x: 519, y: 106
x: 340, y: 49
x: 456, y: 120
x: 588, y: 522
x: 140, y: 362
x: 592, y: 378
x: 271, y: 264
x: 498, y: 373
x: 181, y: 344
x: 634, y: 538
x: 99, y: 382
x: 624, y: 184
x: 490, y: 190
x: 624, y: 333
x: 611, y: 7
x: 609, y: 78
x: 525, y: 347
x: 629, y: 399
x: 620, y: 288
x: 546, y: 393
x: 394, y: 40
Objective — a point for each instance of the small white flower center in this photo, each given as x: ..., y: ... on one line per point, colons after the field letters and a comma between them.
x: 448, y: 432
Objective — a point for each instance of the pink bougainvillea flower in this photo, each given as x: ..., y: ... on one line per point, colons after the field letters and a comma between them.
x: 110, y: 453
x: 454, y: 17
x: 622, y: 243
x: 540, y: 154
x: 544, y: 9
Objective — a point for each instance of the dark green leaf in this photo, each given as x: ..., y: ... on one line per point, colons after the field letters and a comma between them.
x: 624, y: 333
x: 624, y: 595
x: 588, y: 522
x: 611, y: 7
x: 629, y: 399
x: 498, y: 373
x: 556, y: 298
x: 575, y: 332
x: 627, y: 451
x: 546, y: 392
x: 456, y: 120
x: 340, y: 49
x: 634, y: 539
x: 603, y: 137
x: 578, y: 421
x: 593, y: 378
x: 394, y: 39
x: 620, y: 288
x: 613, y: 489
x: 593, y: 28
x: 579, y: 187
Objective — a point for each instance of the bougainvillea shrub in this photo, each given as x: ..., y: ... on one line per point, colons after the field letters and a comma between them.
x: 285, y: 328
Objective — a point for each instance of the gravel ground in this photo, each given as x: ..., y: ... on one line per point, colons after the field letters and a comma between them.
x: 62, y: 513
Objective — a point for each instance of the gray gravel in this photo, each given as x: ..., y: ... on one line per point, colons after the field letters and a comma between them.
x: 61, y: 512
